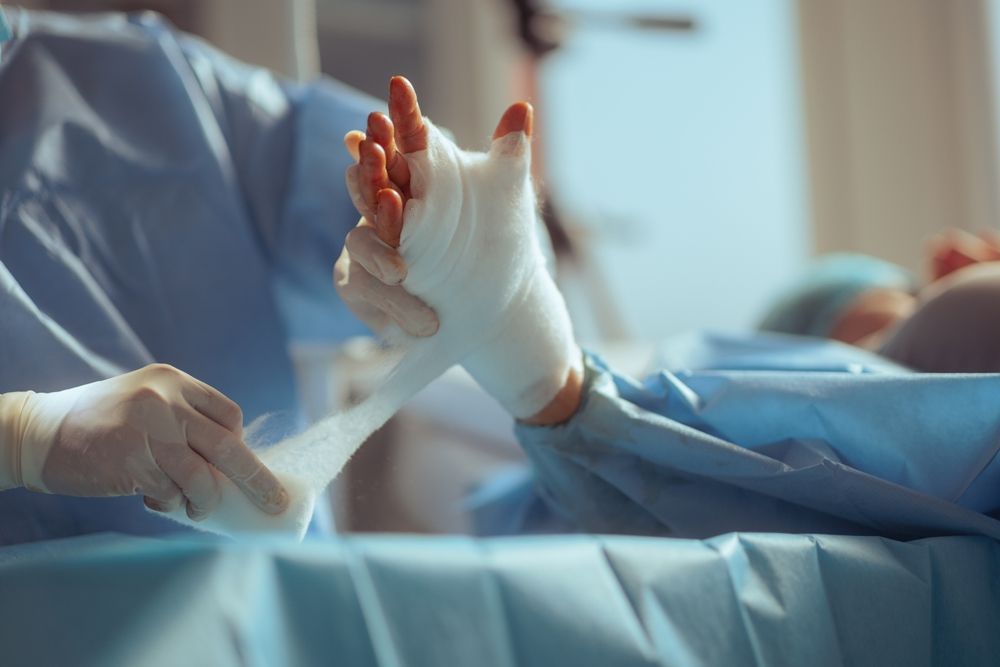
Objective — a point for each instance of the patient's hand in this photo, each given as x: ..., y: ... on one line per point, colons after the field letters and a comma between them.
x: 380, y: 187
x: 370, y: 269
x: 955, y: 249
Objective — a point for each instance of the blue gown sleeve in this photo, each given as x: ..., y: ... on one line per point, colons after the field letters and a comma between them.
x: 699, y: 453
x: 286, y: 145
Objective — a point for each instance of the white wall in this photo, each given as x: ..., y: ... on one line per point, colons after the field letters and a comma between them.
x: 900, y: 116
x: 682, y: 155
x: 278, y: 34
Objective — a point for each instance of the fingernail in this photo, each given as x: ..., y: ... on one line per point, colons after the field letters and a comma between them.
x: 195, y: 514
x: 430, y: 324
x: 280, y: 502
x: 154, y: 505
x: 389, y: 272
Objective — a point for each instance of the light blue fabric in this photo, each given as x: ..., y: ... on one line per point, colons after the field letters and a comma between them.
x: 5, y: 31
x: 155, y: 196
x: 812, y: 306
x: 743, y: 599
x: 711, y: 351
x: 696, y: 453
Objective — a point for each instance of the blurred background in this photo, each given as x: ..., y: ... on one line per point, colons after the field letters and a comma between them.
x: 693, y: 156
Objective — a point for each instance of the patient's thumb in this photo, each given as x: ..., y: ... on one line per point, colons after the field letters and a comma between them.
x: 519, y: 117
x: 512, y: 138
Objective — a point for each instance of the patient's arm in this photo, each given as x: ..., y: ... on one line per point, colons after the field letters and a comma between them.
x: 381, y: 187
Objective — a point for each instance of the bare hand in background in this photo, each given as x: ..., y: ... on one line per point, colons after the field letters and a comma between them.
x: 956, y: 249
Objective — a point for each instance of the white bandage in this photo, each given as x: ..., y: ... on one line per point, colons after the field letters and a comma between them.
x: 470, y: 240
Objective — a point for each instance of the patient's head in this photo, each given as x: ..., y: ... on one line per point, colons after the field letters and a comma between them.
x: 846, y: 297
x: 956, y: 327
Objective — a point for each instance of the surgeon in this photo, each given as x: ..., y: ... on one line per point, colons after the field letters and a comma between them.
x: 168, y: 222
x: 762, y: 434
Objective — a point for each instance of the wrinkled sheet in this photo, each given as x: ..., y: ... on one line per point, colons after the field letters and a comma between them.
x: 737, y: 599
x: 842, y: 444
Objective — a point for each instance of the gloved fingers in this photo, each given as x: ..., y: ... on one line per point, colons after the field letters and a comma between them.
x: 161, y: 494
x: 231, y: 456
x: 351, y: 142
x: 389, y: 219
x: 353, y: 178
x: 192, y: 475
x: 215, y: 405
x: 411, y: 314
x: 156, y: 505
x: 373, y: 176
x: 404, y: 110
x: 371, y: 252
x: 347, y: 289
x: 381, y: 129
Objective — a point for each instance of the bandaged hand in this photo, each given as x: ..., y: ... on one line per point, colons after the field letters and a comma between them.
x: 470, y: 241
x: 156, y: 432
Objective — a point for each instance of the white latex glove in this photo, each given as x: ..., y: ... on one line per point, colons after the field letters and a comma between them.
x: 367, y: 276
x: 156, y: 431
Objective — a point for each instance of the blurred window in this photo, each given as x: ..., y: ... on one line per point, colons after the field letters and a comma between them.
x: 681, y: 154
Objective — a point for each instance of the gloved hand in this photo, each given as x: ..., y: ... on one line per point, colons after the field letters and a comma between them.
x: 156, y: 431
x: 367, y: 276
x: 370, y: 269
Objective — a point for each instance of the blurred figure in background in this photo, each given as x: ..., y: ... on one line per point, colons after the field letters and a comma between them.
x: 951, y: 325
x: 850, y: 298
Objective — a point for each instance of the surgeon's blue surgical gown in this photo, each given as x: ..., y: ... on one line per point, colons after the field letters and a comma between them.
x: 160, y: 202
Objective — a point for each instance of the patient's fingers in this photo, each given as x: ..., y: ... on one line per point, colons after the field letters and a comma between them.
x: 991, y: 238
x: 519, y: 117
x: 389, y: 218
x: 374, y: 255
x: 353, y: 178
x: 381, y: 129
x: 411, y: 133
x: 373, y: 176
x: 352, y: 142
x: 955, y: 249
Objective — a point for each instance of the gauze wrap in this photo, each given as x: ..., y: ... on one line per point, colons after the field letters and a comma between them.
x: 470, y: 240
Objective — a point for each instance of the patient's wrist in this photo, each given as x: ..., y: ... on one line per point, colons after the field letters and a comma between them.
x: 565, y: 403
x: 11, y: 408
